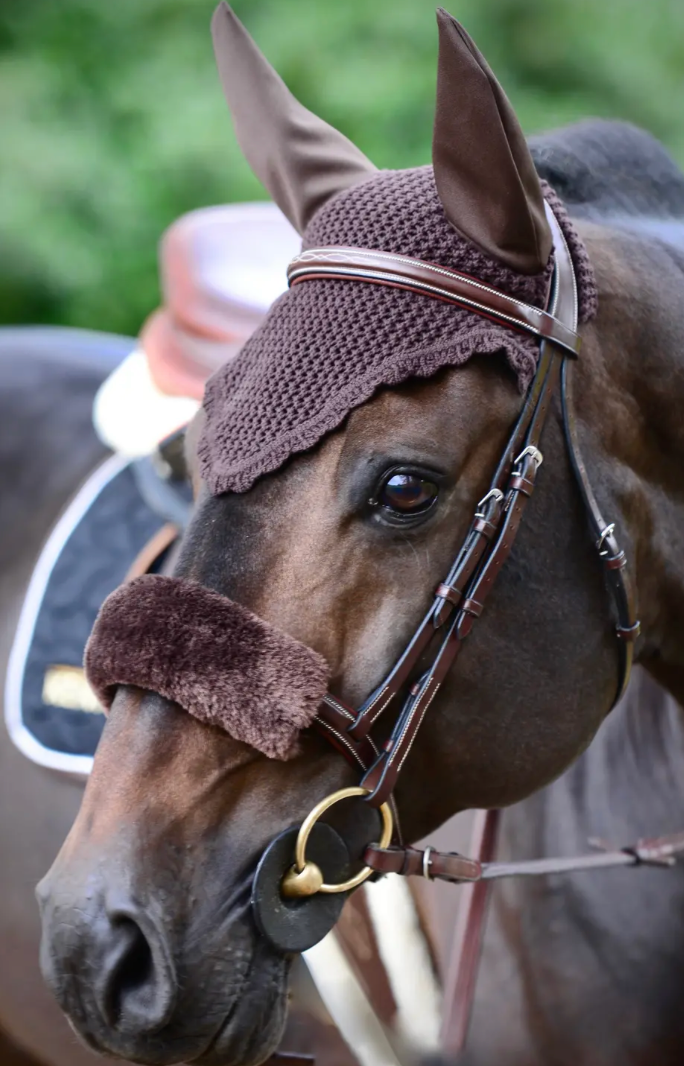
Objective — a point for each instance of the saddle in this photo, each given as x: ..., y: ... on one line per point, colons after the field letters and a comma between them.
x: 221, y: 268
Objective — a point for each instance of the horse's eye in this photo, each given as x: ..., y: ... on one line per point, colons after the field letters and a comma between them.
x: 407, y: 494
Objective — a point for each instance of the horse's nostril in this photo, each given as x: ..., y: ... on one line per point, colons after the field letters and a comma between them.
x: 137, y: 990
x: 134, y: 972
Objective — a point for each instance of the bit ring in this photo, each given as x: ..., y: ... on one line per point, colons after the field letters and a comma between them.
x: 294, y: 884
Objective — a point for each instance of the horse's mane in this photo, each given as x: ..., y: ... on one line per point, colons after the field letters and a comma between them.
x: 602, y: 169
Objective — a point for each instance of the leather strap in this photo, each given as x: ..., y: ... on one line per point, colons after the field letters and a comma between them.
x: 429, y: 863
x: 611, y: 555
x: 290, y: 1058
x: 450, y: 866
x: 466, y: 949
x: 333, y: 720
x: 475, y: 875
x: 150, y: 552
x: 400, y: 271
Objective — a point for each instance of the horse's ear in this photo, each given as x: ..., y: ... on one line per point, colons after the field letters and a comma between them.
x: 484, y: 172
x: 301, y: 160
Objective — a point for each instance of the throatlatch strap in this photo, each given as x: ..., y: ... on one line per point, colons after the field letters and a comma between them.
x: 611, y: 555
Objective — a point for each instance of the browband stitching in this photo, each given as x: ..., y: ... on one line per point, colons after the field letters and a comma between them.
x: 323, y: 253
x: 417, y: 286
x: 308, y: 265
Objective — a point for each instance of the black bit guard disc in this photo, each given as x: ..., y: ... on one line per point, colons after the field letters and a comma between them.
x: 294, y: 925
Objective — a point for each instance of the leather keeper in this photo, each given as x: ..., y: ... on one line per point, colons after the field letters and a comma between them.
x: 519, y: 483
x: 448, y: 592
x: 628, y: 633
x: 615, y: 562
x: 486, y: 528
x: 473, y: 607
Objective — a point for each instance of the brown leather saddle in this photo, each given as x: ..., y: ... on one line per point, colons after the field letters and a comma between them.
x: 208, y: 314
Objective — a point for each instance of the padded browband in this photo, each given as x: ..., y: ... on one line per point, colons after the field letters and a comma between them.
x: 414, y: 275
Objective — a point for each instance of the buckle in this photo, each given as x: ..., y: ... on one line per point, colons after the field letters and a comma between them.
x: 607, y: 532
x: 493, y: 494
x: 533, y: 452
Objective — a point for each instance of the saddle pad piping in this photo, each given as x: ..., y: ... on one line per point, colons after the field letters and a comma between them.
x: 27, y: 744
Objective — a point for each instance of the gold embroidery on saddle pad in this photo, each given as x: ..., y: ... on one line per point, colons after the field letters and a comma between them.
x: 67, y: 687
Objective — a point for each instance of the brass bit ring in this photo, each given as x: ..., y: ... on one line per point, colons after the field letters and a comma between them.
x: 305, y: 877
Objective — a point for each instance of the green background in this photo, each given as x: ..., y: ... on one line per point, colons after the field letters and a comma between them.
x: 112, y: 122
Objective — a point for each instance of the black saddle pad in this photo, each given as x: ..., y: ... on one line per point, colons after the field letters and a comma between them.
x: 51, y: 712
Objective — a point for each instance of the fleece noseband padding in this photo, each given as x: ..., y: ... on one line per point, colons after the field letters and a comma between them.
x: 215, y: 658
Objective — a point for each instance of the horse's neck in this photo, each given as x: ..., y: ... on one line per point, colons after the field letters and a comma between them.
x: 621, y: 929
x: 631, y: 402
x: 639, y: 757
x: 627, y: 785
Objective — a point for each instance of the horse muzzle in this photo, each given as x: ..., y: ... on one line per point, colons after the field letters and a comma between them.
x: 123, y: 983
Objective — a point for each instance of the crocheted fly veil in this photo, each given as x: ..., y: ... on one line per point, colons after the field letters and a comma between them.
x: 328, y: 345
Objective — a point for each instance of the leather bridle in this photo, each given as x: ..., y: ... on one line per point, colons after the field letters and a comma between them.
x: 461, y: 598
x: 458, y: 602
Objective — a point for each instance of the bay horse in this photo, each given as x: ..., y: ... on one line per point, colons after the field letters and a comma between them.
x: 149, y: 942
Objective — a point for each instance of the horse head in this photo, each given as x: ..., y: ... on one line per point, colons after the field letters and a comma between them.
x: 337, y: 464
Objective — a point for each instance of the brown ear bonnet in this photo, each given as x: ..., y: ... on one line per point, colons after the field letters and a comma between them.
x: 215, y: 658
x: 328, y: 345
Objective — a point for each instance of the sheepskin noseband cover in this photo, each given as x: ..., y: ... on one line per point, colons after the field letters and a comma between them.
x: 215, y: 658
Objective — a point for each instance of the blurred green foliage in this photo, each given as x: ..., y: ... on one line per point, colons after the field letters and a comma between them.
x: 112, y: 121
